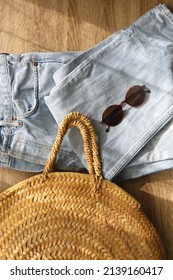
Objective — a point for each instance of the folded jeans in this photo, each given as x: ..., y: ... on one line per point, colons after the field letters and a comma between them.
x: 39, y: 89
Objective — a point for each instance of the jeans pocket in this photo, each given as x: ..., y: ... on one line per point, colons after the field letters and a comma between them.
x: 25, y: 89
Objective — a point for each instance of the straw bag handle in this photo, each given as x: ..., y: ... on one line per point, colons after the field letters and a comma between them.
x: 89, y: 138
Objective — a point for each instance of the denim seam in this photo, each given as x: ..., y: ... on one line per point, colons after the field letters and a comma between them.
x: 167, y: 12
x: 36, y: 81
x: 3, y: 154
x: 26, y: 158
x: 148, y: 163
x: 34, y: 160
x: 9, y: 87
x: 9, y: 107
x: 23, y: 141
x: 42, y: 61
x: 3, y: 164
x: 62, y: 167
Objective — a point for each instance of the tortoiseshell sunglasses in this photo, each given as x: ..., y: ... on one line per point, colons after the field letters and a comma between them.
x: 113, y: 115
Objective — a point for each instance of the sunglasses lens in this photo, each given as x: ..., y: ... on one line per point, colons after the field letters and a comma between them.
x: 136, y: 95
x: 113, y: 115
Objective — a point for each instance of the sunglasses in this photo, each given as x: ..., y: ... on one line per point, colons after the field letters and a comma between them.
x: 113, y: 115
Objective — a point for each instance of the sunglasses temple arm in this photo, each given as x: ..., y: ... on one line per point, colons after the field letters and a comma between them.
x: 107, y: 128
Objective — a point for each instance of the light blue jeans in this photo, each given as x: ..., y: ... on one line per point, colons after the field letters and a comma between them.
x: 39, y: 89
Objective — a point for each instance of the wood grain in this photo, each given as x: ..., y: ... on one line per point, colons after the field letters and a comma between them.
x: 54, y: 25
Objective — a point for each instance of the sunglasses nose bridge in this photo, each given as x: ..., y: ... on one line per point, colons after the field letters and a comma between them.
x: 123, y: 103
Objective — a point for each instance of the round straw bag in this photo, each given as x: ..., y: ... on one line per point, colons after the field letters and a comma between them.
x: 68, y: 215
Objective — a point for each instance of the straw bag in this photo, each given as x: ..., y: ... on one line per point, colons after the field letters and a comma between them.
x: 68, y: 215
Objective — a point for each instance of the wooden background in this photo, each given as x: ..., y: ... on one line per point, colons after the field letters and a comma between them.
x: 62, y: 25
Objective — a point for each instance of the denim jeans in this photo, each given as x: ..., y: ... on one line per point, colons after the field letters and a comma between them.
x: 39, y: 89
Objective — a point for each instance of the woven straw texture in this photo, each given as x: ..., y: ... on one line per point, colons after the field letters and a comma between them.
x: 68, y: 215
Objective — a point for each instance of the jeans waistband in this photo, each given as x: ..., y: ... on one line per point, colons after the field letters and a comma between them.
x: 61, y: 57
